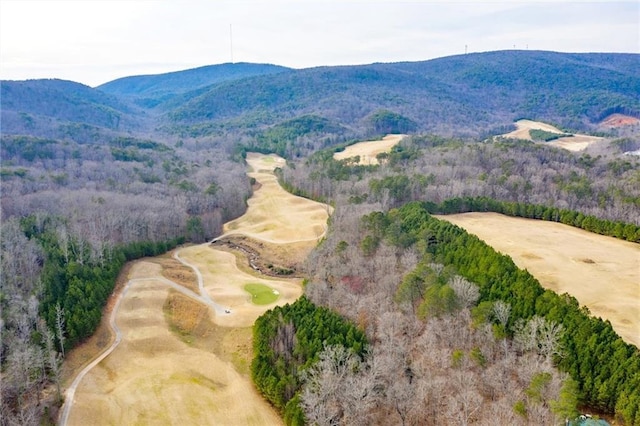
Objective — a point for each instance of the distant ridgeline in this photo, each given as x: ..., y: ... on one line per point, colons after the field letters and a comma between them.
x: 457, y: 95
x: 606, y: 368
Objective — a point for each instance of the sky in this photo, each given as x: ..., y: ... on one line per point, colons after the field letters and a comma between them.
x: 95, y: 41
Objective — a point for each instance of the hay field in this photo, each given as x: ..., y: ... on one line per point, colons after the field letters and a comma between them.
x: 602, y: 273
x: 368, y: 150
x: 571, y: 143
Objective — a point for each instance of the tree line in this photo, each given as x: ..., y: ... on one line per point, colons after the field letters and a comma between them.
x: 429, y: 363
x: 75, y: 284
x: 603, y: 185
x: 287, y: 341
x: 606, y: 369
x: 609, y: 228
x: 55, y: 285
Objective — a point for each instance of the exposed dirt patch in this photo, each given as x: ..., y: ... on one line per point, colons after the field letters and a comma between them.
x: 368, y: 150
x: 619, y: 120
x: 603, y: 273
x: 275, y: 260
x: 576, y: 142
x: 183, y: 313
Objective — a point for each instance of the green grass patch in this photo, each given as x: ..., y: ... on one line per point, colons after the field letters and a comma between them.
x: 261, y: 294
x: 543, y: 135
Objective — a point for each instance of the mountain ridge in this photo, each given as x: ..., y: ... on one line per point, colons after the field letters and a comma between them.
x: 480, y: 90
x: 463, y: 95
x: 153, y: 88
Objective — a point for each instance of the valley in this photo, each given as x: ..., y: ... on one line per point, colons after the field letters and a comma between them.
x: 180, y: 361
x: 145, y: 230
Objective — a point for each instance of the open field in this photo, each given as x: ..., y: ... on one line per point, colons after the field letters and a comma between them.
x: 224, y: 281
x: 571, y: 143
x: 276, y: 216
x: 181, y: 358
x: 368, y: 150
x: 153, y: 377
x: 603, y: 273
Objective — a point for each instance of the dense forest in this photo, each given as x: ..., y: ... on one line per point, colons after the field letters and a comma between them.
x: 603, y: 368
x: 290, y: 339
x: 94, y: 177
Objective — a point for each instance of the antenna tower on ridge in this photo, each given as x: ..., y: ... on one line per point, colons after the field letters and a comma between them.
x: 231, y: 41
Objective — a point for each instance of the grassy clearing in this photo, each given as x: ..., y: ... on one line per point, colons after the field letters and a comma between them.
x: 569, y: 260
x: 261, y: 294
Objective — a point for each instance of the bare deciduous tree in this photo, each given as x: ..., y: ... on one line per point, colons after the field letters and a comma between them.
x: 466, y: 292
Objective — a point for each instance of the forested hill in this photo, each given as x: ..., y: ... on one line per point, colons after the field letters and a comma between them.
x: 453, y: 95
x: 465, y: 95
x: 35, y: 107
x: 151, y: 89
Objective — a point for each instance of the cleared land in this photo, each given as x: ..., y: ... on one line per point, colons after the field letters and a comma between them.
x: 570, y: 143
x: 276, y: 216
x: 154, y: 377
x: 368, y: 150
x: 603, y: 273
x: 178, y: 361
x: 619, y: 120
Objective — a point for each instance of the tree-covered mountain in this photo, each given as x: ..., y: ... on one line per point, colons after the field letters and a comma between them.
x: 465, y: 94
x: 39, y: 107
x: 151, y: 89
x: 94, y: 176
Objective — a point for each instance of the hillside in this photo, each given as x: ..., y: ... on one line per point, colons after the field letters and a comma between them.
x: 151, y: 89
x: 466, y: 94
x: 60, y: 108
x: 92, y: 179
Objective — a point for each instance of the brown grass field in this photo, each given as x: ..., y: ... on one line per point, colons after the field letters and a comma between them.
x: 368, y: 150
x: 570, y: 143
x: 603, y: 273
x: 179, y: 363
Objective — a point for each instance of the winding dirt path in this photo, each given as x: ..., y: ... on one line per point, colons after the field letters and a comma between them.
x: 149, y: 375
x: 203, y: 298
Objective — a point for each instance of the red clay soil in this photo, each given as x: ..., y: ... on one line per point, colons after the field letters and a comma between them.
x: 619, y: 120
